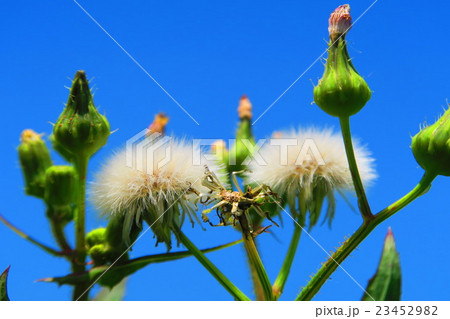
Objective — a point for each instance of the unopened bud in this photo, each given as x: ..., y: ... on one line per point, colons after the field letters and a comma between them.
x: 81, y: 130
x: 431, y: 146
x: 159, y: 124
x: 95, y: 237
x: 34, y: 159
x: 341, y: 92
x: 60, y: 185
x: 245, y: 108
x: 243, y: 148
x: 96, y: 246
x: 60, y: 190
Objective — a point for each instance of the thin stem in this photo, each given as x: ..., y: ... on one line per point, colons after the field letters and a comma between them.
x: 363, y: 204
x: 60, y: 237
x: 213, y: 270
x: 353, y: 242
x: 280, y: 282
x: 255, y: 260
x: 81, y: 163
x: 257, y: 287
x: 25, y: 236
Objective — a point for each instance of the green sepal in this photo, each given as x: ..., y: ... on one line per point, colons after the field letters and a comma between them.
x: 3, y: 286
x: 81, y: 130
x: 386, y: 284
x: 341, y: 92
x: 431, y: 146
x: 241, y: 150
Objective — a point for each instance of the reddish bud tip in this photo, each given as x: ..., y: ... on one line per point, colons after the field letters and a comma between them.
x: 159, y: 124
x: 340, y: 22
x: 245, y: 108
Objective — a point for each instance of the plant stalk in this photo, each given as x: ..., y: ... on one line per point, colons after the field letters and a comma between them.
x: 213, y: 270
x: 255, y: 260
x: 353, y: 242
x: 280, y: 282
x: 79, y: 265
x: 60, y: 237
x: 363, y: 204
x: 259, y: 293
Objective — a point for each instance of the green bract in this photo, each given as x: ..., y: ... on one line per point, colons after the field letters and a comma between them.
x: 34, y: 159
x: 60, y: 186
x: 60, y: 190
x: 243, y: 147
x: 80, y: 130
x: 431, y: 146
x: 341, y: 92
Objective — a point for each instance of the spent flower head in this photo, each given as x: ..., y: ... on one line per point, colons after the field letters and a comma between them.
x: 162, y: 196
x: 311, y: 168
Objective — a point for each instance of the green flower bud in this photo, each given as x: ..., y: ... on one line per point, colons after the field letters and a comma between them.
x: 80, y: 130
x: 431, y: 146
x: 97, y: 247
x: 341, y: 92
x: 34, y: 159
x: 95, y: 237
x: 245, y: 142
x: 60, y: 186
x: 99, y: 254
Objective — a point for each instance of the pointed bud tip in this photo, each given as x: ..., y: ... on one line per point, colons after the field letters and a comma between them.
x: 389, y: 241
x: 6, y: 270
x: 340, y: 22
x: 389, y: 232
x: 80, y: 75
x: 245, y: 108
x: 159, y: 123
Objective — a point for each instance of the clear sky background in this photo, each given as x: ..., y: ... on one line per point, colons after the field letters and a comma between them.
x: 207, y: 54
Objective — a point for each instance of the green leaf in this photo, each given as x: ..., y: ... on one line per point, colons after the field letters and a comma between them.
x: 110, y: 276
x: 112, y: 294
x: 386, y: 284
x: 3, y: 289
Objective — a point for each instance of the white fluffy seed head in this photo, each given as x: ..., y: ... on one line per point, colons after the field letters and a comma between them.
x: 145, y: 188
x: 315, y: 166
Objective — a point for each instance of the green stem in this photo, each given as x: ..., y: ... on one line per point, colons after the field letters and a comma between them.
x: 27, y: 237
x: 79, y: 266
x: 255, y: 260
x: 60, y: 237
x: 353, y: 242
x: 213, y: 270
x: 363, y: 204
x: 257, y: 287
x: 280, y: 282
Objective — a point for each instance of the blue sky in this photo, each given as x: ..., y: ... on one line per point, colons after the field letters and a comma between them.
x: 206, y: 55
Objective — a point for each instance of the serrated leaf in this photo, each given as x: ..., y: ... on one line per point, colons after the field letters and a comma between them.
x: 386, y: 284
x: 3, y: 287
x: 110, y: 276
x: 112, y: 294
